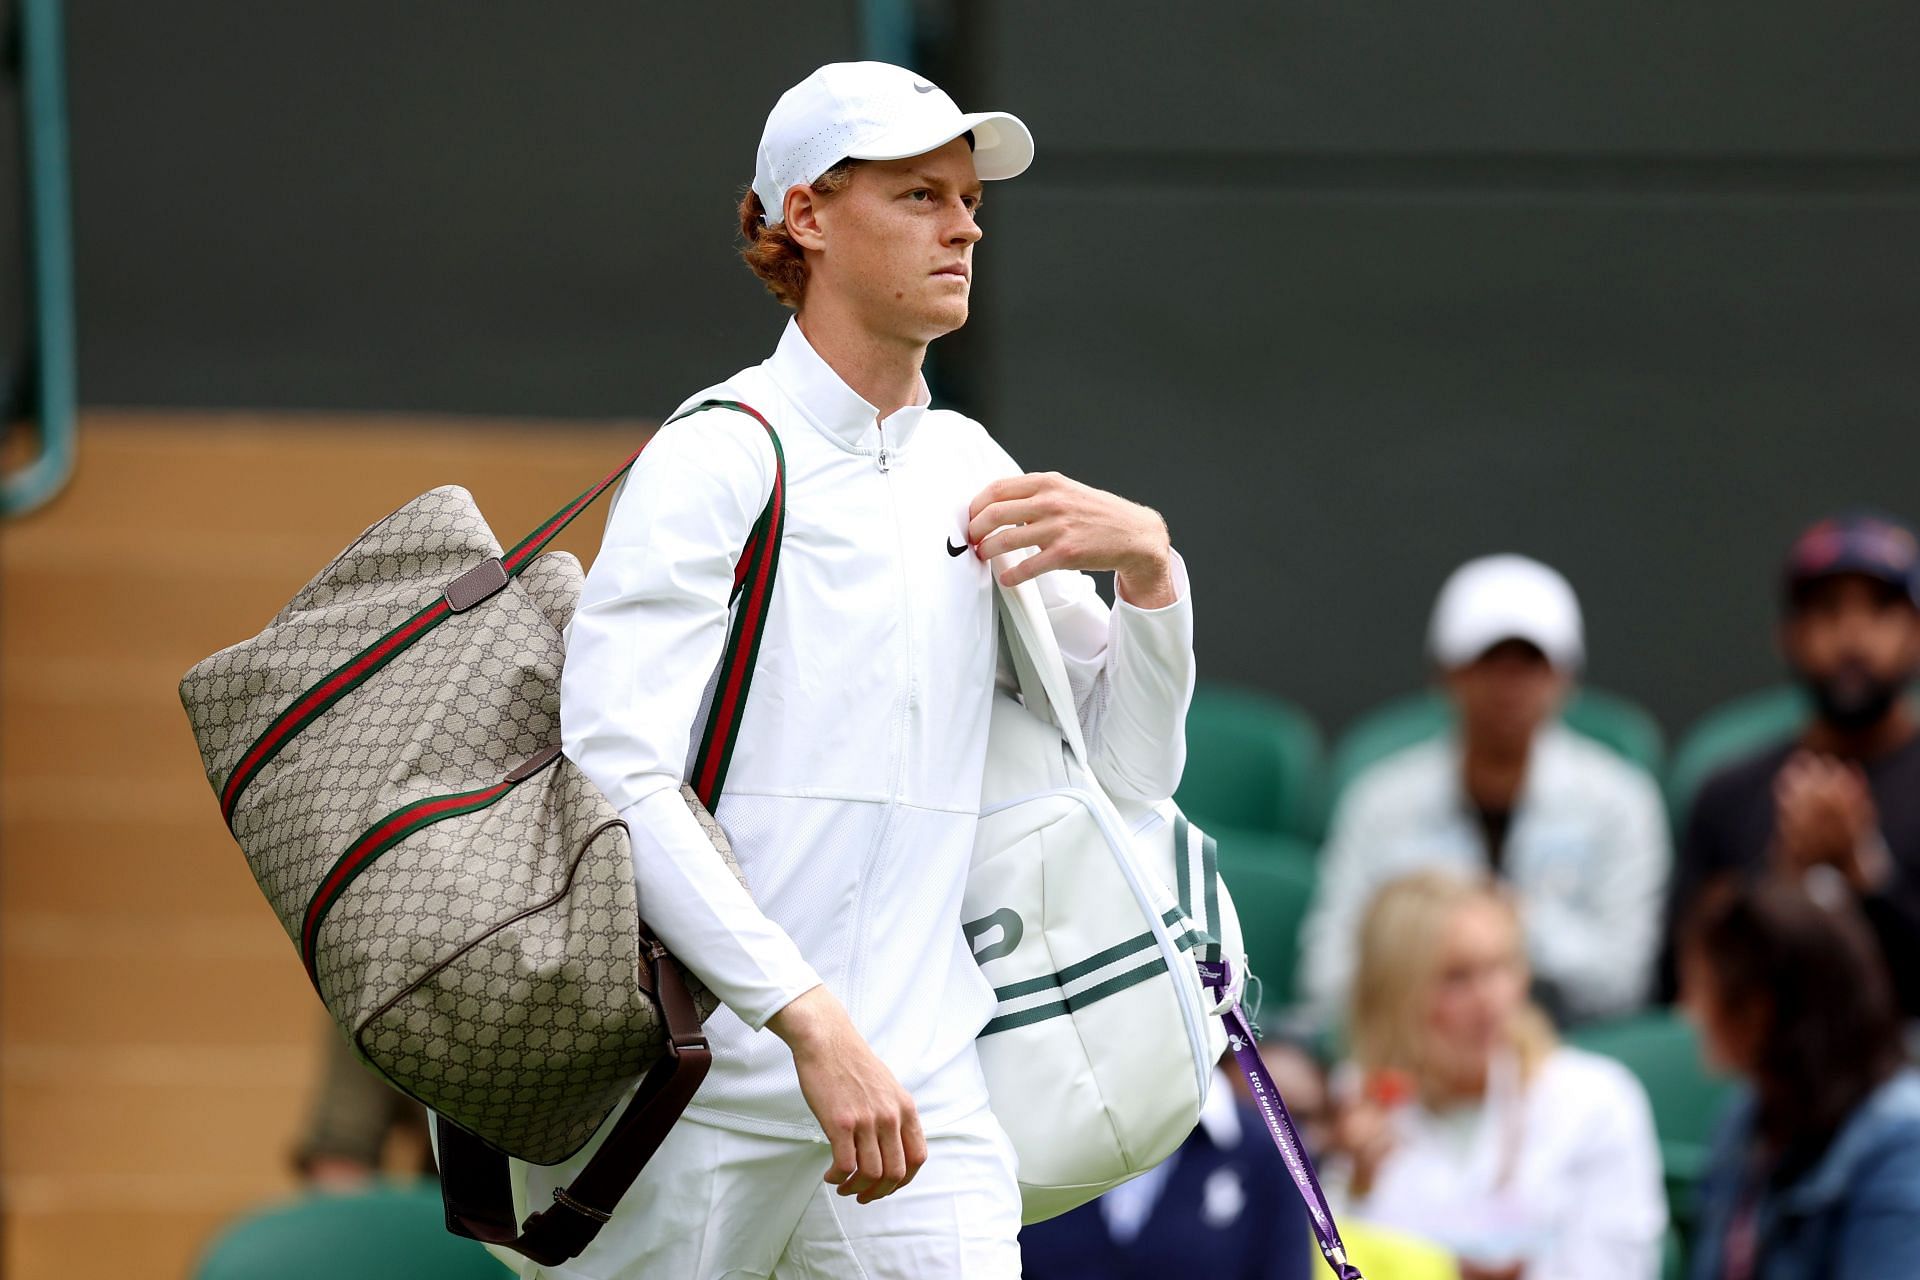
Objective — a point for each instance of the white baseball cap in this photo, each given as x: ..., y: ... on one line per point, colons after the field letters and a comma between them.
x: 873, y: 111
x: 1506, y: 597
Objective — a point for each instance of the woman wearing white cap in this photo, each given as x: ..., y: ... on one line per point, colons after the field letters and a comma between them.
x: 1578, y: 831
x: 851, y: 1137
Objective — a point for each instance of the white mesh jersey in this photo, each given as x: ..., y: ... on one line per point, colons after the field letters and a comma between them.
x: 854, y: 787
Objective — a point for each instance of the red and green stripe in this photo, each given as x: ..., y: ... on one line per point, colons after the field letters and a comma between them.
x: 754, y: 572
x: 314, y: 703
x: 379, y: 838
x: 743, y: 640
x: 356, y: 671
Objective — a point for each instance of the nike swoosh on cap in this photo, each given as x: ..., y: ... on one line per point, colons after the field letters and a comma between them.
x: 922, y: 88
x: 953, y: 550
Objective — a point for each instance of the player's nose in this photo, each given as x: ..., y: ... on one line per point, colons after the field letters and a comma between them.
x: 966, y: 228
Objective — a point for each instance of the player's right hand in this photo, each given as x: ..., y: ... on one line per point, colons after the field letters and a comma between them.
x: 869, y: 1120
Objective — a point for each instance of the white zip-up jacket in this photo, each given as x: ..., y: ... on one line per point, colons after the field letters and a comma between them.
x: 854, y: 786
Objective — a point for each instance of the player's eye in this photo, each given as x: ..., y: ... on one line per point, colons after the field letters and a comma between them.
x: 920, y: 194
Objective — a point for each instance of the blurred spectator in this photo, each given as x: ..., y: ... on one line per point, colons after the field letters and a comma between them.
x: 1463, y: 1121
x: 352, y: 1116
x: 1841, y: 802
x: 1578, y: 831
x: 1223, y: 1206
x: 1816, y: 1171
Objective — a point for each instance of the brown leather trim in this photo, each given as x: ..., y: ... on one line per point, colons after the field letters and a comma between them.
x: 478, y: 583
x: 533, y: 764
x: 475, y: 1181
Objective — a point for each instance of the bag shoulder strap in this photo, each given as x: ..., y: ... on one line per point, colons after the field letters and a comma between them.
x: 1196, y: 870
x: 1037, y: 663
x: 753, y: 578
x: 476, y: 1186
x: 753, y: 575
x: 475, y: 1180
x: 754, y: 572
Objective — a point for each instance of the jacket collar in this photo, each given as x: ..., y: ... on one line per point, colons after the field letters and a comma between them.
x: 825, y: 400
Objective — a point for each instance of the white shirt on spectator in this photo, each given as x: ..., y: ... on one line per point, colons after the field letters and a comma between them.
x: 1587, y: 851
x: 1563, y: 1175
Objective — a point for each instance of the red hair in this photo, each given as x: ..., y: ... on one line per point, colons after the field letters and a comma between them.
x: 771, y: 252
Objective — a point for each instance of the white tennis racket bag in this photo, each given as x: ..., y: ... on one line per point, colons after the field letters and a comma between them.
x: 1089, y: 922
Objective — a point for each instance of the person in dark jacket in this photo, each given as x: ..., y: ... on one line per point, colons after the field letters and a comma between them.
x: 1222, y: 1207
x: 1840, y: 802
x: 1815, y: 1173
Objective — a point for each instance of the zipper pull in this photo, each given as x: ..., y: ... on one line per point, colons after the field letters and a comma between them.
x: 882, y: 459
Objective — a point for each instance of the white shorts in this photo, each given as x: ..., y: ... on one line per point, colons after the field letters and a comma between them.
x: 716, y: 1204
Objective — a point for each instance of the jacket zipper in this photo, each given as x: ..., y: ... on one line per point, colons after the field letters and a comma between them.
x: 904, y: 722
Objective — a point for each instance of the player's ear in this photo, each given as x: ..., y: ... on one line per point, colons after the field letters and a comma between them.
x: 802, y: 207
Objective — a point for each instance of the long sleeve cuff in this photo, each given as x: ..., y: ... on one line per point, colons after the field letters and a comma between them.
x: 1138, y: 736
x: 707, y: 919
x: 1164, y: 636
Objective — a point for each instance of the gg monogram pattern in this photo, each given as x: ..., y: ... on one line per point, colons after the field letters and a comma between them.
x: 232, y: 696
x: 486, y: 963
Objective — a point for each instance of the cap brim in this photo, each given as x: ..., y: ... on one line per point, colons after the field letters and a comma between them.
x: 1468, y: 646
x: 1002, y: 146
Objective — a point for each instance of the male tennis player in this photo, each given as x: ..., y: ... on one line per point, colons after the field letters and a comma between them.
x: 844, y: 1129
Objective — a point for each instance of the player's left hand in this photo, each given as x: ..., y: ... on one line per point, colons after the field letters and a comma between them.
x: 1075, y: 526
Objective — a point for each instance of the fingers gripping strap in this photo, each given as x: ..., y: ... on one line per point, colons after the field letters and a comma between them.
x: 1042, y: 676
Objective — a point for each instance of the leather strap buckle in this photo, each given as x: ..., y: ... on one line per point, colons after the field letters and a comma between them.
x: 479, y: 583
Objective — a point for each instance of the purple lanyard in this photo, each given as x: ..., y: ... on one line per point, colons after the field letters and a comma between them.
x: 1218, y: 975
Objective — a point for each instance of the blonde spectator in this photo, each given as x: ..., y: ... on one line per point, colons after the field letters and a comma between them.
x: 1462, y: 1118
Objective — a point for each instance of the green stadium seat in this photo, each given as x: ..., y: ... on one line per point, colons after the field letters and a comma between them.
x: 1673, y: 1254
x: 1621, y: 723
x: 1730, y: 731
x: 1661, y: 1049
x: 1608, y: 718
x: 1271, y: 878
x: 393, y: 1231
x: 1253, y: 761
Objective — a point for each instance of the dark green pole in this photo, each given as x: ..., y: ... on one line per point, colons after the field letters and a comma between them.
x: 49, y: 258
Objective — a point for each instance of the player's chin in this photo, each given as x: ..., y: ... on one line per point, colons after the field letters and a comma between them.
x: 944, y: 315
